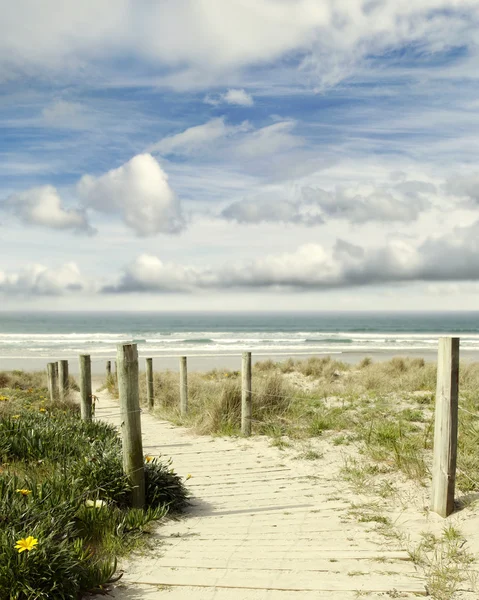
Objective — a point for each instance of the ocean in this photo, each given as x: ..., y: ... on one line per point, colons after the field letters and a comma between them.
x: 30, y: 340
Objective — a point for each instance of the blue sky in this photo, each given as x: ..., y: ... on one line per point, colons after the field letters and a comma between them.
x: 289, y: 154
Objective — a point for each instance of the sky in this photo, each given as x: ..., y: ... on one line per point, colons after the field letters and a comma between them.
x: 240, y: 155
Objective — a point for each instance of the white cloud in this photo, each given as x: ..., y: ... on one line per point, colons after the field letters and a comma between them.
x: 149, y: 273
x: 232, y: 142
x: 214, y: 37
x: 195, y: 139
x: 452, y: 257
x: 268, y: 140
x: 366, y: 203
x: 139, y: 191
x: 465, y: 186
x: 232, y: 96
x: 38, y: 280
x: 359, y: 204
x: 272, y: 208
x: 63, y: 114
x: 43, y: 206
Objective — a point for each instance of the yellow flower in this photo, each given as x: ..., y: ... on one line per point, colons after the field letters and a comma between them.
x: 148, y: 458
x: 3, y: 398
x: 95, y: 503
x: 26, y: 544
x: 42, y: 409
x: 24, y: 492
x: 188, y: 476
x: 15, y: 416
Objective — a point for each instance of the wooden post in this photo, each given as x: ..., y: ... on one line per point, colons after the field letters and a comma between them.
x: 149, y: 383
x: 116, y: 372
x: 52, y: 372
x: 246, y: 394
x: 63, y: 382
x: 108, y: 369
x: 183, y: 385
x: 445, y: 428
x: 85, y: 387
x: 133, y: 462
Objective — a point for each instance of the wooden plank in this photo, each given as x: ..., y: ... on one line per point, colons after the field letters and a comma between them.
x: 246, y: 395
x: 183, y: 385
x: 85, y: 387
x: 445, y: 432
x: 128, y: 388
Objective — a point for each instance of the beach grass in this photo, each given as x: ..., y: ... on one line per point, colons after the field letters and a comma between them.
x: 65, y: 512
x: 385, y: 409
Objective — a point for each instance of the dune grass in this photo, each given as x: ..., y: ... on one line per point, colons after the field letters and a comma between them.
x: 64, y: 496
x: 386, y: 409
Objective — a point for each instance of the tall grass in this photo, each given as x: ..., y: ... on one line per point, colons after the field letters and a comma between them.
x: 386, y: 407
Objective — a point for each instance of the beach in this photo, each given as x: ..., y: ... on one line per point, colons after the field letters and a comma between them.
x: 28, y: 341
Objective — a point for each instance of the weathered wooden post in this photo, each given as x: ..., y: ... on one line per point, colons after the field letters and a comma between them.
x: 149, y: 383
x: 133, y: 462
x: 108, y: 369
x: 183, y: 385
x: 63, y: 382
x: 246, y: 394
x: 445, y: 428
x: 116, y: 372
x: 85, y: 387
x: 52, y: 372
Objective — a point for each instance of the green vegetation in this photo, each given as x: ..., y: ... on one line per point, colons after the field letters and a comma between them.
x: 64, y: 501
x: 384, y: 409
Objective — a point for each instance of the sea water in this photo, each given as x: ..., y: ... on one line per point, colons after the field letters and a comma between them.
x: 42, y: 336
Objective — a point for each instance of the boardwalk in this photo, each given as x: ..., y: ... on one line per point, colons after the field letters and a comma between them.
x: 261, y: 526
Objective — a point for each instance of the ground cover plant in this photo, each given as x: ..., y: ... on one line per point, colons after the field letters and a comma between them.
x: 386, y: 409
x: 64, y: 501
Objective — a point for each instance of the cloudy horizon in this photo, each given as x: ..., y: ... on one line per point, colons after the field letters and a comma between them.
x: 249, y: 155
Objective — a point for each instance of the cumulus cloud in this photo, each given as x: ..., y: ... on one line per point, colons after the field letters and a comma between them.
x: 43, y: 206
x: 366, y: 203
x: 453, y: 257
x: 38, y: 280
x: 465, y: 186
x: 232, y: 96
x: 272, y: 208
x: 148, y: 273
x: 403, y: 202
x: 139, y: 192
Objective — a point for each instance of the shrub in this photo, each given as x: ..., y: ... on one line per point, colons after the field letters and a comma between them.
x: 62, y: 483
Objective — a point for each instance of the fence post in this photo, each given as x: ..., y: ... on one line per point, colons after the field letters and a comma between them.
x: 133, y: 462
x: 183, y: 385
x: 149, y: 383
x: 445, y: 428
x: 246, y: 394
x: 116, y: 372
x: 85, y: 387
x: 108, y: 369
x: 63, y: 382
x: 52, y: 372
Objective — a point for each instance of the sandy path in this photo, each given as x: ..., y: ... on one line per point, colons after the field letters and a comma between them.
x: 261, y: 526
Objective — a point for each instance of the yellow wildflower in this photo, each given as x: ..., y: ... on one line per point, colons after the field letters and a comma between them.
x: 188, y: 476
x: 26, y: 544
x: 24, y: 492
x: 3, y: 398
x: 42, y: 409
x: 15, y: 416
x: 148, y: 458
x: 95, y: 503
